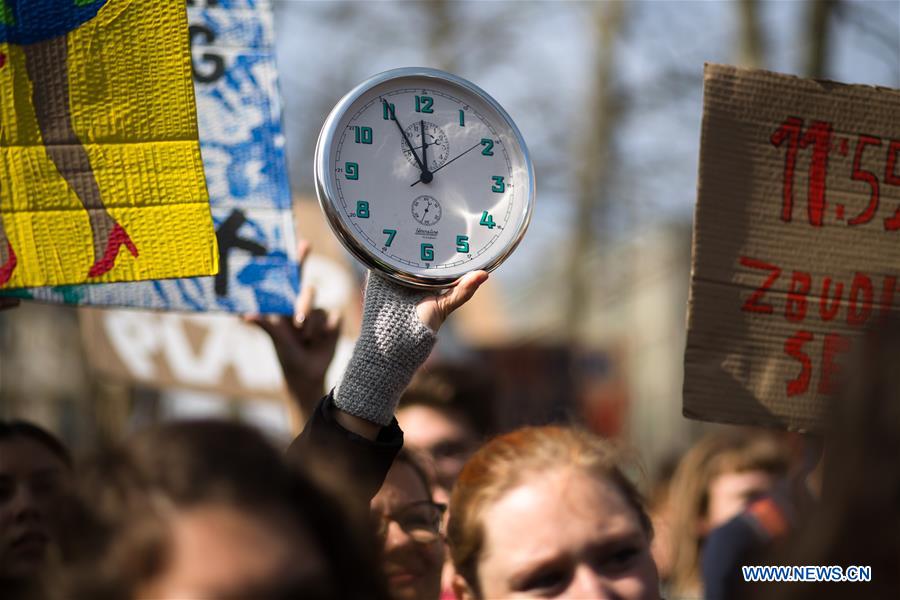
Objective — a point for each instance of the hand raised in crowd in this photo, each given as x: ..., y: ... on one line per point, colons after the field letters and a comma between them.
x: 304, y: 343
x: 434, y: 309
x: 399, y: 329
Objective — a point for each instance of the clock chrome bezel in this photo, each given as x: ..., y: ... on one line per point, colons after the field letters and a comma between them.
x: 327, y: 193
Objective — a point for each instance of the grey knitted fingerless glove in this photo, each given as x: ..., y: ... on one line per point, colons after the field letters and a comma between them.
x: 393, y: 343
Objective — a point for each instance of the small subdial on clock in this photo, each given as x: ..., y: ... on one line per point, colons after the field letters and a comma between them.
x: 426, y: 210
x: 438, y: 150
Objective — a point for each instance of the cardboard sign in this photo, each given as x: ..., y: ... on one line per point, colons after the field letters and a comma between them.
x: 100, y: 170
x: 243, y: 153
x: 796, y: 237
x: 217, y: 353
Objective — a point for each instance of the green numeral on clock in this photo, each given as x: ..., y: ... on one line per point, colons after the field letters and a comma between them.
x: 488, y: 149
x: 390, y: 233
x: 427, y: 252
x: 387, y: 111
x: 424, y: 104
x: 351, y: 170
x: 363, y: 135
x: 487, y: 220
x: 462, y: 244
x: 362, y: 209
x: 462, y: 118
x: 498, y: 187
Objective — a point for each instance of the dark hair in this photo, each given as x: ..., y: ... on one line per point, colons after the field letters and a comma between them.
x: 23, y: 429
x: 417, y: 463
x: 118, y: 528
x: 465, y: 390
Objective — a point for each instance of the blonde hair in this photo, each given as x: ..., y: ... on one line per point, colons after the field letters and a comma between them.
x: 736, y: 451
x: 507, y: 461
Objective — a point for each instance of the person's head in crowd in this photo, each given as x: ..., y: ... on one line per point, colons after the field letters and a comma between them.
x: 35, y: 471
x: 408, y: 523
x: 547, y: 512
x: 209, y: 509
x: 715, y: 480
x: 446, y: 412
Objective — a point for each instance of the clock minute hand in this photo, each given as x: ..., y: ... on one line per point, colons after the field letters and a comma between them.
x: 446, y: 163
x: 426, y: 176
x: 424, y: 143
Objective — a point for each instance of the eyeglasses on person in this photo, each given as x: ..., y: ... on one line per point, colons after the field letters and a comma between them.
x: 420, y: 520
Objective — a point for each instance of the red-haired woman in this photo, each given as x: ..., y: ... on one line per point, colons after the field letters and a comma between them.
x: 546, y: 512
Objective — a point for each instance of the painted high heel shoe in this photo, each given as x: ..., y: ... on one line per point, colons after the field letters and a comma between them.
x: 117, y: 237
x: 7, y: 269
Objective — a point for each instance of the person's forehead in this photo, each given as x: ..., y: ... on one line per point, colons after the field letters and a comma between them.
x: 559, y: 513
x: 426, y: 425
x: 402, y: 486
x: 739, y: 481
x: 21, y: 456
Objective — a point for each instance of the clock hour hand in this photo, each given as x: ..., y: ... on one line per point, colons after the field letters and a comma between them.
x: 431, y: 173
x: 426, y: 176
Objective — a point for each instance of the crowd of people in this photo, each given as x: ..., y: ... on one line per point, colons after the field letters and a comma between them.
x: 399, y: 487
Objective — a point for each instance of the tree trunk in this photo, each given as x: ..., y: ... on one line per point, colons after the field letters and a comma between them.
x: 751, y: 53
x: 817, y: 37
x: 593, y: 167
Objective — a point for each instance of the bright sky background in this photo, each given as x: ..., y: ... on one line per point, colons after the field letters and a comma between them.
x: 535, y: 60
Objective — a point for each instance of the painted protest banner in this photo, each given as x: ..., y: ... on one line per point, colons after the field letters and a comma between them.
x: 218, y: 352
x: 796, y: 231
x: 100, y: 171
x: 243, y: 153
x: 207, y: 352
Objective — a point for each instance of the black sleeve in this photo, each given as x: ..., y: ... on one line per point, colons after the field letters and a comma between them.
x: 725, y: 551
x: 364, y: 462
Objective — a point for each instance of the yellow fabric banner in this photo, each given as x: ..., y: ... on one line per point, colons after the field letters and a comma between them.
x: 100, y: 170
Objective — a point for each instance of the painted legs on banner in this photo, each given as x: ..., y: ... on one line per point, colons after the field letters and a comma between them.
x: 7, y: 257
x: 47, y: 66
x: 7, y: 254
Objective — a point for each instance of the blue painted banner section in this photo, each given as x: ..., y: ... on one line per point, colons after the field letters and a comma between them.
x: 242, y: 144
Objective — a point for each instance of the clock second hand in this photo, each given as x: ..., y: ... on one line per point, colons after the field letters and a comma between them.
x: 426, y: 175
x: 422, y: 179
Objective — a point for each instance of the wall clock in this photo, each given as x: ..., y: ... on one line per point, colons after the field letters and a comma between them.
x: 424, y: 177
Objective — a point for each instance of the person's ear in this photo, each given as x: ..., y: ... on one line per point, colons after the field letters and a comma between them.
x: 462, y: 589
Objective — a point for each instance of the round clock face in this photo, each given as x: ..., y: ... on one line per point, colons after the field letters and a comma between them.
x: 424, y: 177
